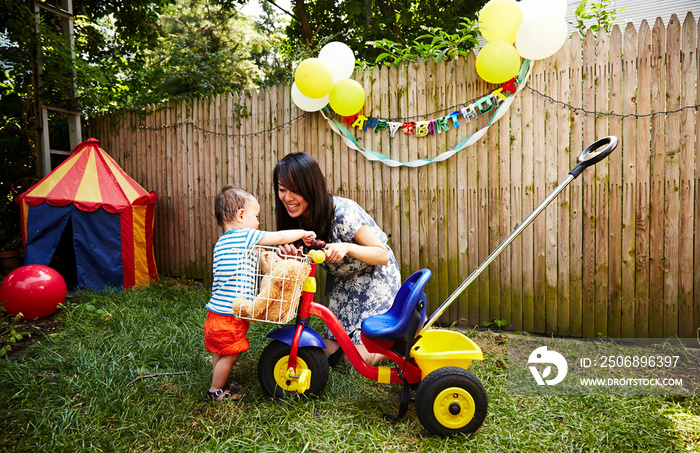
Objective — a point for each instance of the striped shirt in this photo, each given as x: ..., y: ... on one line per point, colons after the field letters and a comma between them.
x: 234, y: 270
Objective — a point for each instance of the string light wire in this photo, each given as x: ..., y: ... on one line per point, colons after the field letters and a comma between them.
x: 426, y: 115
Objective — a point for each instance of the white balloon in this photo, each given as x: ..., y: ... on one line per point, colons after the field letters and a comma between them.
x: 533, y: 7
x: 340, y: 57
x: 541, y: 36
x: 306, y: 103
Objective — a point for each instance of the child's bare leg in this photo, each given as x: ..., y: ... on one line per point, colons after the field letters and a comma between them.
x: 222, y: 365
x: 370, y: 358
x: 331, y: 346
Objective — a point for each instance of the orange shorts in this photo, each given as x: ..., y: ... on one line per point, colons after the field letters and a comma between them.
x: 225, y: 335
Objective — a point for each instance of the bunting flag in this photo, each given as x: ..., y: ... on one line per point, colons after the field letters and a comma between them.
x: 430, y: 127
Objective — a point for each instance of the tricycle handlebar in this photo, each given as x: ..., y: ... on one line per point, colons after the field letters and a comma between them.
x: 590, y: 156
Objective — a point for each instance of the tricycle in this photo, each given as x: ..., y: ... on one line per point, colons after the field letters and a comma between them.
x: 449, y: 399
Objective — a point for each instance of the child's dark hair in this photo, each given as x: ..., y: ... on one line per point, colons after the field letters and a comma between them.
x: 229, y: 200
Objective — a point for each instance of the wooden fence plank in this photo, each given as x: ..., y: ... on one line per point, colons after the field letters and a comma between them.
x: 602, y: 191
x: 196, y: 203
x: 463, y: 86
x: 162, y: 251
x: 484, y: 239
x: 615, y: 187
x: 588, y: 191
x: 696, y: 280
x: 471, y: 195
x: 656, y: 213
x: 423, y: 194
x: 575, y: 212
x: 528, y: 204
x: 552, y: 150
x: 563, y: 167
x: 672, y: 178
x: 643, y: 181
x: 452, y: 90
x: 373, y: 175
x: 629, y: 178
x: 394, y: 218
x: 687, y: 164
x: 386, y: 218
x: 539, y: 225
x: 504, y: 192
x: 493, y: 227
x: 413, y: 184
x: 405, y: 94
x: 516, y: 214
x: 434, y: 295
x: 175, y: 184
x: 439, y: 101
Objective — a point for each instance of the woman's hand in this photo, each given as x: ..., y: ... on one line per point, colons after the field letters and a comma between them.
x: 366, y: 248
x: 336, y: 251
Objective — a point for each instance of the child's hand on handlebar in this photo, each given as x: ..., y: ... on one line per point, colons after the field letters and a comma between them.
x: 309, y: 238
x: 288, y: 250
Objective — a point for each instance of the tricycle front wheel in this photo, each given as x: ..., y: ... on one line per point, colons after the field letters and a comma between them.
x: 451, y: 400
x: 272, y: 370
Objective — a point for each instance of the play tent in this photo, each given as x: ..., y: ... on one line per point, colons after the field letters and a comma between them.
x: 91, y: 221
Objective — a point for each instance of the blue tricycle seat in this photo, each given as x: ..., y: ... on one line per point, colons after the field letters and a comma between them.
x: 395, y: 324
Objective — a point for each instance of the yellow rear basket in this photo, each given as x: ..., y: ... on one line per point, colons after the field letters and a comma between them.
x: 441, y: 348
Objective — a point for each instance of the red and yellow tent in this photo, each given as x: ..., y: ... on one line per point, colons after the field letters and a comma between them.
x: 91, y: 220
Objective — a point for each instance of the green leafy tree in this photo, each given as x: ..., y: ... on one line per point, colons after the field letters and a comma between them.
x: 277, y: 58
x: 435, y: 43
x: 357, y: 22
x: 201, y: 48
x: 205, y: 49
x: 602, y: 12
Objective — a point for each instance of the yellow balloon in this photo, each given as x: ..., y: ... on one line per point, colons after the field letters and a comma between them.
x: 498, y: 62
x: 499, y: 20
x: 314, y: 78
x: 347, y: 97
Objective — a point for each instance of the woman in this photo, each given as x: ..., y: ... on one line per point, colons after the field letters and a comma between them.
x: 363, y: 275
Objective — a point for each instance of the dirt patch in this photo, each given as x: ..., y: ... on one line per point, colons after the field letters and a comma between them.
x: 30, y: 330
x: 180, y: 282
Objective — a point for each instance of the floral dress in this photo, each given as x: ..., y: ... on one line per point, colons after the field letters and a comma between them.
x: 358, y: 290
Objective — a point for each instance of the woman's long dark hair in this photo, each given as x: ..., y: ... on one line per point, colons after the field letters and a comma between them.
x: 300, y: 174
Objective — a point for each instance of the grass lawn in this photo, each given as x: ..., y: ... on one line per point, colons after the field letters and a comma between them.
x: 127, y: 371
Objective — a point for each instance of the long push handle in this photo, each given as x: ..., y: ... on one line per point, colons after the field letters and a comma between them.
x: 590, y: 156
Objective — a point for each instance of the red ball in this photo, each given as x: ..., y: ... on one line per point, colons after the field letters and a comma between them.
x: 33, y: 290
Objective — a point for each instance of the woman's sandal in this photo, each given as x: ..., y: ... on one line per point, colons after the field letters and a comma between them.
x: 222, y: 395
x: 336, y: 358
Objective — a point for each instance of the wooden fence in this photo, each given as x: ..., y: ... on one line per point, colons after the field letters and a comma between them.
x: 616, y: 254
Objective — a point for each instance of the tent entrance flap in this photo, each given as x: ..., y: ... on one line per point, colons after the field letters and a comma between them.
x: 45, y: 225
x: 63, y: 260
x: 98, y: 249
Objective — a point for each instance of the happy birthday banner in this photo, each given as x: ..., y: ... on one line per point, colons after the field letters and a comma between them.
x: 430, y: 127
x: 437, y: 125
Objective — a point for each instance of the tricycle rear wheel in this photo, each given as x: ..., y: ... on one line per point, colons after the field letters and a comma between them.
x: 451, y: 400
x: 272, y: 368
